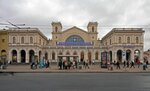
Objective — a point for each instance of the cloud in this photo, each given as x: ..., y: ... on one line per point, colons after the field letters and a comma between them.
x: 108, y: 13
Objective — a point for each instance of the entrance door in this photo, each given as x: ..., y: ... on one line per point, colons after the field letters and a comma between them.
x: 128, y: 55
x: 82, y: 57
x: 23, y: 56
x: 119, y: 55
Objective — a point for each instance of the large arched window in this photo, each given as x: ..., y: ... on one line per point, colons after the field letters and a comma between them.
x: 14, y: 40
x: 119, y: 39
x: 60, y: 53
x: 56, y: 29
x: 92, y: 28
x: 67, y: 53
x: 74, y: 38
x: 137, y: 40
x: 74, y: 53
x: 31, y: 40
x: 22, y: 40
x: 128, y: 39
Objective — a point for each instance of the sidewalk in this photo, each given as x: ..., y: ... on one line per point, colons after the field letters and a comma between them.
x: 55, y: 69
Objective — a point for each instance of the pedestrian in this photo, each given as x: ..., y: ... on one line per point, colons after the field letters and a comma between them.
x: 33, y: 66
x: 108, y: 65
x: 147, y: 63
x: 118, y: 65
x: 73, y: 64
x: 144, y: 65
x: 76, y: 64
x: 124, y: 64
x: 66, y: 64
x: 93, y: 62
x: 127, y: 64
x: 111, y: 66
x: 86, y: 65
x: 138, y: 63
x: 69, y: 64
x: 132, y: 64
x: 114, y: 62
x: 63, y: 64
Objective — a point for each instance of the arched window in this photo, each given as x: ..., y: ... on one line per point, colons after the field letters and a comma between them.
x: 31, y: 40
x: 74, y: 53
x: 60, y: 53
x: 92, y: 28
x: 14, y: 40
x: 110, y: 41
x: 128, y: 39
x: 74, y: 38
x: 119, y: 39
x: 96, y: 56
x: 137, y: 40
x: 67, y: 53
x: 22, y: 40
x: 56, y: 29
x: 53, y: 56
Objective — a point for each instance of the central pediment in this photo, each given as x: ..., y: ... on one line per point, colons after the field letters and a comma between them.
x: 75, y: 29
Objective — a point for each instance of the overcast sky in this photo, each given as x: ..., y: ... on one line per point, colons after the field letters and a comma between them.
x: 108, y: 13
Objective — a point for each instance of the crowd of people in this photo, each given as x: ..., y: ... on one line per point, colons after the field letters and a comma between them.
x: 67, y: 64
x: 127, y: 64
x: 64, y: 64
x: 41, y: 64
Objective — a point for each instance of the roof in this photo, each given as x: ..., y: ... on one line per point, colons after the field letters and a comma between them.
x: 26, y: 30
x: 124, y: 30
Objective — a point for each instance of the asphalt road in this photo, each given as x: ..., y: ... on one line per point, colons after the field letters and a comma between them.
x: 75, y: 82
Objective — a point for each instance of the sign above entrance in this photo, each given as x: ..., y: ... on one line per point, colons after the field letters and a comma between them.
x: 74, y: 43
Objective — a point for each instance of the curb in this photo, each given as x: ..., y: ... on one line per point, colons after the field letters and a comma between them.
x: 73, y: 72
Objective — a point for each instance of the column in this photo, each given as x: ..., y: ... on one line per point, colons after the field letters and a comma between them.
x: 56, y: 56
x: 141, y: 55
x: 49, y: 56
x: 78, y: 53
x: 85, y: 55
x: 18, y: 57
x: 99, y: 56
x: 9, y: 56
x: 27, y: 57
x: 132, y: 55
x: 93, y: 56
x: 114, y: 56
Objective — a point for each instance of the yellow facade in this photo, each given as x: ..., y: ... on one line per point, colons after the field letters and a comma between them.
x: 3, y: 43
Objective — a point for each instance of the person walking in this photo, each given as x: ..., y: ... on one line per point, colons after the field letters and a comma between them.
x: 108, y: 65
x: 47, y: 64
x: 60, y: 64
x: 144, y: 65
x: 147, y: 63
x: 138, y: 63
x: 86, y: 64
x: 132, y: 64
x: 124, y: 64
x: 118, y: 65
x: 127, y: 64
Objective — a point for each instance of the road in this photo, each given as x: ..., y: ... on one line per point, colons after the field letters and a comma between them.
x: 75, y: 82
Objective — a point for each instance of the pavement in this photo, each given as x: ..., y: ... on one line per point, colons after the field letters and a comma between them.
x: 55, y: 69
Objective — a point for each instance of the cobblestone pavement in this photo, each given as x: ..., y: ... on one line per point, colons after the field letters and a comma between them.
x: 54, y: 68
